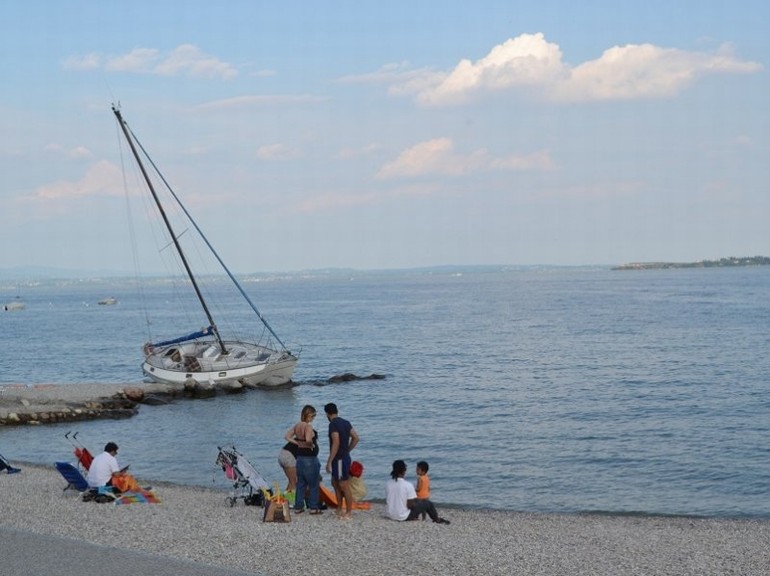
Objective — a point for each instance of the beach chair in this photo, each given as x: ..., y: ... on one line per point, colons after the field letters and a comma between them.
x: 72, y: 475
x: 76, y: 481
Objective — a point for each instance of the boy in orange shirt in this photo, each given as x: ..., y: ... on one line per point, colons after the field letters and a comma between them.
x: 422, y: 485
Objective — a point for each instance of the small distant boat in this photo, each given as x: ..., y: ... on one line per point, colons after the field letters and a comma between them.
x: 204, y: 355
x: 109, y: 301
x: 15, y: 305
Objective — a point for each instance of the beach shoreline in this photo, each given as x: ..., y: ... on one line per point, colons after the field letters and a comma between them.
x: 197, y: 524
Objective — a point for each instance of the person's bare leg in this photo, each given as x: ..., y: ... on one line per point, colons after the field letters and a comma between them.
x: 348, y: 495
x: 291, y: 475
x: 339, y: 495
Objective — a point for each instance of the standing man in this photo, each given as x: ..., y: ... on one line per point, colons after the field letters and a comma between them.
x: 342, y: 439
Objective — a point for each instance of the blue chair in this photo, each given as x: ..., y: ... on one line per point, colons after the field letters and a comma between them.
x: 73, y: 476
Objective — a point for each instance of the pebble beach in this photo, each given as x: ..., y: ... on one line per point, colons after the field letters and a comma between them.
x: 197, y: 525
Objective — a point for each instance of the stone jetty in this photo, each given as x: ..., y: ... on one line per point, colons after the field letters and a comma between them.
x: 24, y: 404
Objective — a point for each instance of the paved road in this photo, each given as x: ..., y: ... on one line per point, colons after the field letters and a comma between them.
x: 25, y: 553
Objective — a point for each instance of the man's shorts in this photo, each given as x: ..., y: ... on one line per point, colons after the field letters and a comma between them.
x: 341, y: 468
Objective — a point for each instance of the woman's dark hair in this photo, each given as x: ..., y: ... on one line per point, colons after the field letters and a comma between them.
x: 423, y: 465
x: 331, y: 408
x: 399, y: 467
x: 111, y: 447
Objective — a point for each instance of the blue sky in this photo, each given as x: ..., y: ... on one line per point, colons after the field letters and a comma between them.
x: 391, y: 134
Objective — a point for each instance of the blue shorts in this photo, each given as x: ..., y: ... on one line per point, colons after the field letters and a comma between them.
x: 341, y: 468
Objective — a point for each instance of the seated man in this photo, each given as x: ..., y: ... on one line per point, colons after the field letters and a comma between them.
x: 105, y: 471
x: 401, y: 498
x: 103, y: 467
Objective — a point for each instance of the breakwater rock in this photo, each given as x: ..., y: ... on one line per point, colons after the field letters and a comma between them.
x: 22, y: 404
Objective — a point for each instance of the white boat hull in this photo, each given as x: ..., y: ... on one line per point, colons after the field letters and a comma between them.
x: 245, y: 363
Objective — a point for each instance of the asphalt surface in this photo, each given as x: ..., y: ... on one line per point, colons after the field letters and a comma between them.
x: 26, y: 553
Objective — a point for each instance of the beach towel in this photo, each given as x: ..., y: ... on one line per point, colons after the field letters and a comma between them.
x: 139, y: 497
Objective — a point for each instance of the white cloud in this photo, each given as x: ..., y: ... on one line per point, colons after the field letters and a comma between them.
x: 77, y: 152
x: 529, y: 62
x: 252, y: 100
x: 80, y: 152
x: 186, y: 59
x: 277, y: 152
x: 88, y: 62
x: 138, y: 60
x: 437, y: 157
x: 101, y: 179
x: 644, y: 71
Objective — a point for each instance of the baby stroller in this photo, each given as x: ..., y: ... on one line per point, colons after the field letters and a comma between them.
x: 84, y: 457
x: 248, y: 484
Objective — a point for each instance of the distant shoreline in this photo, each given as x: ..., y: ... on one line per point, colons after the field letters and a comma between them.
x: 731, y: 262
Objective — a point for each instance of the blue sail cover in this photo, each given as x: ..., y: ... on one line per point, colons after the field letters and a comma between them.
x: 199, y: 334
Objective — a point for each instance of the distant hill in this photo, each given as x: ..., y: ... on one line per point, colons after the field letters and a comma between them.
x: 730, y: 262
x: 25, y: 273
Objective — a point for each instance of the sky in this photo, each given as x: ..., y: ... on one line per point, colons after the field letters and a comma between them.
x: 378, y: 135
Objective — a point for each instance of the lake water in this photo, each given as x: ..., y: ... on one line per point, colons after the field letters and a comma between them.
x: 551, y: 390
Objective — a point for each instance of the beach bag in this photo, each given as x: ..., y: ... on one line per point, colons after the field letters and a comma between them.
x: 277, y: 511
x: 256, y: 499
x: 357, y: 488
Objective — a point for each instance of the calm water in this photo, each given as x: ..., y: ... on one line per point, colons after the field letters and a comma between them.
x: 545, y: 390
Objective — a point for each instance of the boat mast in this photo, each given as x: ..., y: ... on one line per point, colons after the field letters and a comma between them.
x: 216, y: 255
x: 177, y: 245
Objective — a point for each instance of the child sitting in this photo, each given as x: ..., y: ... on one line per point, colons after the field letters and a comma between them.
x: 422, y: 485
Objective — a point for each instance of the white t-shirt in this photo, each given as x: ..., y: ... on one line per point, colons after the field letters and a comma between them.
x: 397, y: 492
x: 101, y: 470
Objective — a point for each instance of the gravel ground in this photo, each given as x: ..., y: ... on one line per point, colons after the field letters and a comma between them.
x: 196, y: 524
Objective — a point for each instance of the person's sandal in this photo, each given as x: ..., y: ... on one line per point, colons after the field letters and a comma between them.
x: 315, y: 512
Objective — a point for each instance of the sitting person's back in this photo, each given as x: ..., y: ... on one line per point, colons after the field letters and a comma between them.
x: 103, y: 467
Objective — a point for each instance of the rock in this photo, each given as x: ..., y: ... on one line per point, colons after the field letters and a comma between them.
x: 349, y: 377
x: 119, y: 413
x: 153, y: 400
x: 232, y: 387
x: 134, y: 394
x: 204, y: 390
x: 190, y: 385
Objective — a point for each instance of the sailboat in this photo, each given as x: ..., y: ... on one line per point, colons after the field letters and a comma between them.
x: 15, y: 305
x: 204, y: 355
